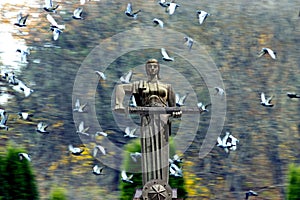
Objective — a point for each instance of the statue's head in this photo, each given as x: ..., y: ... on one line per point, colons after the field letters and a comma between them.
x: 152, y: 68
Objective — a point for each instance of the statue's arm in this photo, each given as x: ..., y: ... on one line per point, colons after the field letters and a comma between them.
x: 171, y: 97
x: 120, y: 92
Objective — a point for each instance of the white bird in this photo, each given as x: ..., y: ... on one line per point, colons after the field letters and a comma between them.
x: 101, y: 75
x: 24, y: 156
x: 4, y: 118
x: 135, y: 156
x: 159, y: 22
x: 130, y: 13
x: 24, y: 53
x: 163, y: 3
x: 175, y: 170
x: 264, y: 51
x: 264, y: 101
x: 220, y: 91
x: 97, y: 148
x: 125, y: 178
x: 97, y: 170
x: 293, y: 95
x: 75, y: 150
x: 130, y: 132
x: 49, y: 7
x: 54, y: 23
x: 250, y: 193
x: 126, y: 78
x: 21, y: 20
x: 202, y: 15
x: 79, y: 107
x: 165, y: 55
x: 203, y: 107
x: 101, y: 133
x: 25, y: 115
x: 83, y: 130
x: 180, y: 101
x: 22, y: 88
x: 77, y: 13
x: 175, y: 159
x: 171, y: 7
x: 55, y: 32
x: 232, y: 142
x: 223, y: 142
x: 132, y: 101
x: 189, y: 42
x: 41, y: 127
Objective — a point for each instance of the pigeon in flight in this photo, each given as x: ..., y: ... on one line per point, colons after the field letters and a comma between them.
x: 180, y: 100
x: 171, y: 7
x: 223, y: 142
x: 250, y: 193
x: 83, y: 130
x: 75, y: 150
x: 4, y: 118
x: 25, y: 115
x: 54, y: 23
x: 101, y: 75
x: 264, y: 51
x: 220, y: 91
x: 232, y: 142
x: 24, y: 53
x: 24, y: 156
x: 130, y: 132
x: 135, y: 156
x: 101, y: 133
x: 125, y: 178
x: 130, y: 13
x: 126, y: 78
x: 175, y: 170
x: 165, y: 55
x: 21, y: 20
x: 266, y: 102
x: 98, y: 148
x: 293, y: 95
x: 79, y: 107
x: 22, y: 88
x: 49, y: 7
x: 201, y: 16
x: 56, y: 32
x: 158, y: 22
x: 97, y: 170
x: 189, y: 42
x: 203, y: 107
x: 132, y: 101
x: 77, y: 13
x: 41, y: 127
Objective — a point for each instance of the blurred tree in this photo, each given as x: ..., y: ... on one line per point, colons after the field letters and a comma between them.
x: 58, y: 193
x: 17, y: 177
x: 294, y: 183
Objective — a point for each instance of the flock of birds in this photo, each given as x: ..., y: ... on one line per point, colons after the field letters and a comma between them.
x: 227, y: 142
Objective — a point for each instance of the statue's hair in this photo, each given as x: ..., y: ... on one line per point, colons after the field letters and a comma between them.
x: 153, y: 60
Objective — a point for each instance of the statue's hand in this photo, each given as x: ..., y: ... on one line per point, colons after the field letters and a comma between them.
x: 177, y: 114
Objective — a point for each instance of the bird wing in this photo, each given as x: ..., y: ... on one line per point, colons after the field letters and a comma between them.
x: 40, y: 125
x: 271, y: 53
x: 51, y: 20
x: 56, y: 33
x: 262, y: 97
x: 124, y: 175
x: 164, y: 53
x: 81, y: 126
x: 77, y: 104
x: 127, y: 130
x: 101, y: 148
x: 71, y: 148
x: 133, y: 101
x: 126, y: 78
x: 225, y: 138
x: 269, y: 99
x: 101, y: 75
x: 177, y: 98
x: 129, y: 8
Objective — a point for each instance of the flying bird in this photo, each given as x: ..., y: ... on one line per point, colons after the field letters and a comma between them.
x: 24, y: 53
x: 83, y: 130
x: 203, y: 107
x: 126, y: 78
x: 54, y: 23
x: 55, y: 32
x: 201, y: 16
x: 130, y: 132
x: 135, y: 156
x: 25, y: 115
x: 22, y: 88
x: 21, y: 20
x: 293, y: 95
x: 158, y: 22
x: 130, y: 13
x: 219, y: 91
x: 266, y: 102
x: 175, y: 160
x: 101, y: 75
x: 79, y: 107
x: 4, y: 118
x: 232, y: 142
x: 24, y: 156
x: 165, y: 55
x: 264, y: 51
x: 125, y: 178
x: 98, y: 148
x: 175, y: 170
x: 222, y: 143
x: 77, y: 13
x: 250, y: 193
x: 171, y: 7
x: 97, y: 170
x: 49, y: 7
x: 132, y: 102
x: 101, y: 133
x: 180, y: 100
x: 41, y: 127
x: 75, y: 150
x: 189, y: 42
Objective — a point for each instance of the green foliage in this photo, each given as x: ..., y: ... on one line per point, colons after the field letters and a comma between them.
x: 294, y: 183
x: 58, y: 193
x: 128, y: 189
x: 17, y: 179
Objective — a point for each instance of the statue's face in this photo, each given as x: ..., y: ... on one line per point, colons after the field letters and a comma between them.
x: 152, y: 68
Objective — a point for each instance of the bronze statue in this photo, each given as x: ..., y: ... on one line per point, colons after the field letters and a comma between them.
x: 155, y: 128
